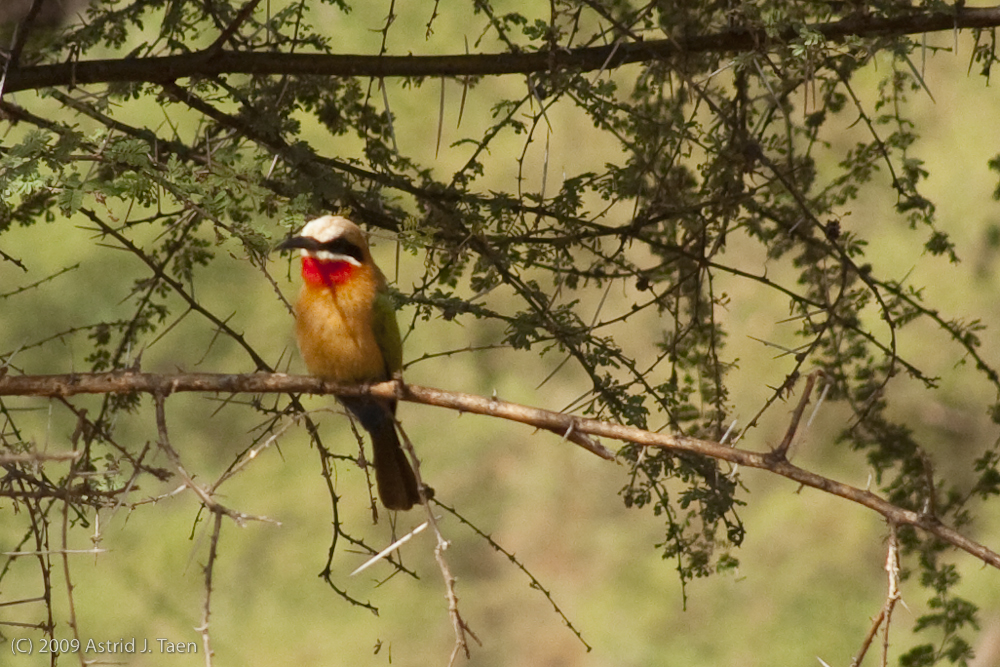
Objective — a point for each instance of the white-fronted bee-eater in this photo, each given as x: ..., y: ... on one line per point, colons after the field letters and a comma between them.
x: 347, y: 332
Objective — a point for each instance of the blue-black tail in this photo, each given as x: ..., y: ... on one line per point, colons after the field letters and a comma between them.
x: 397, y: 485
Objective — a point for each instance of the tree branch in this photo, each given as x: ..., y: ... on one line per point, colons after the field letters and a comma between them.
x: 163, y: 385
x: 213, y: 62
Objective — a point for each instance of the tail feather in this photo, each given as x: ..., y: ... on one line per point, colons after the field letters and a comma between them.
x: 397, y: 485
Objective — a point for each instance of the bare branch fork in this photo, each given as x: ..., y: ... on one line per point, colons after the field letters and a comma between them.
x: 891, y: 598
x: 256, y: 383
x: 213, y: 61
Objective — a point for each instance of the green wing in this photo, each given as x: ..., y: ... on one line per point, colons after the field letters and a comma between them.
x: 387, y: 332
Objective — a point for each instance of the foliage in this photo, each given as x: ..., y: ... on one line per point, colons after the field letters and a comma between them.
x: 726, y: 175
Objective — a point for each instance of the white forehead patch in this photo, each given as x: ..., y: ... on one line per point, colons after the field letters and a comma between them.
x: 328, y: 227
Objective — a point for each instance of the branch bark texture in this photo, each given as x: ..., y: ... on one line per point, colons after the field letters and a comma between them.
x: 213, y: 62
x: 163, y: 385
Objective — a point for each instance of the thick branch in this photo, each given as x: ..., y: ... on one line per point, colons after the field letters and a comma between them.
x: 162, y: 385
x: 212, y: 62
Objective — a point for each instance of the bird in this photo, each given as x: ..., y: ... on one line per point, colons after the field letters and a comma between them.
x: 345, y: 326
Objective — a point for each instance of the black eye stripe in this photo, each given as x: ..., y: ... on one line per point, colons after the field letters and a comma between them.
x: 341, y: 246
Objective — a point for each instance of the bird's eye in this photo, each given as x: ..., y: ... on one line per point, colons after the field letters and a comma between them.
x: 341, y: 246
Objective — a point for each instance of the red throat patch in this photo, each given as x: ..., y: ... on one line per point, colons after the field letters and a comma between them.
x: 325, y: 272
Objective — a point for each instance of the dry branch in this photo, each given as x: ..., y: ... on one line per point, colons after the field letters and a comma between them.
x: 212, y: 62
x: 891, y: 598
x: 163, y: 385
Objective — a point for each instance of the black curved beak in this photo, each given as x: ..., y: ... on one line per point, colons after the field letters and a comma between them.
x: 302, y: 242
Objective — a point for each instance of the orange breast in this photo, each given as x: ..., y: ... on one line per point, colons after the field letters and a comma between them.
x: 335, y: 334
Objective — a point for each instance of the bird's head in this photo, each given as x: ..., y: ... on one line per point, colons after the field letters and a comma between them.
x: 333, y: 250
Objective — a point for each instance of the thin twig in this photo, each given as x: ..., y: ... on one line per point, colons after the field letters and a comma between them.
x: 213, y: 552
x: 175, y: 459
x: 782, y: 449
x: 892, y: 596
x: 535, y: 583
x: 231, y: 29
x: 71, y: 603
x: 462, y: 630
x: 38, y: 457
x: 205, y: 496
